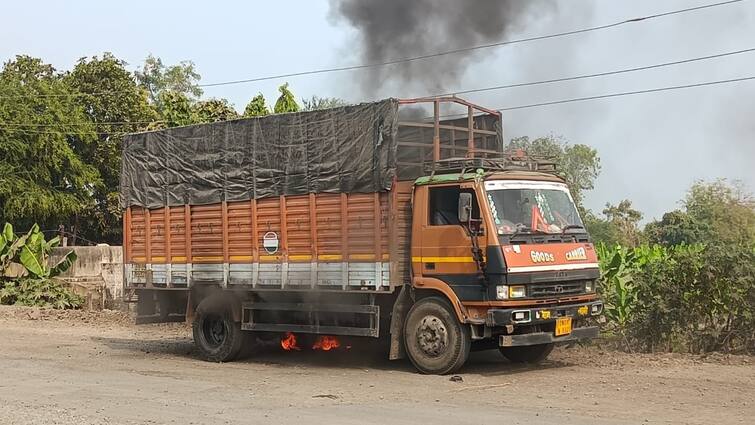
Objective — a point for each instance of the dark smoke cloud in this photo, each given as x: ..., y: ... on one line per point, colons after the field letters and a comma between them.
x: 390, y: 29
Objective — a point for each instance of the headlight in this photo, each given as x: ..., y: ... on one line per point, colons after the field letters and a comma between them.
x: 502, y: 292
x: 517, y: 292
x: 590, y: 286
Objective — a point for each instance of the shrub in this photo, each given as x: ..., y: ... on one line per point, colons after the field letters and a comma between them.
x: 39, y: 293
x: 26, y: 277
x: 694, y: 298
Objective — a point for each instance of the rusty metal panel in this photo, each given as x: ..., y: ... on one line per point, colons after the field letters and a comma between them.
x: 298, y: 229
x: 240, y: 234
x: 206, y: 234
x: 325, y: 240
x: 328, y: 225
x: 177, y: 239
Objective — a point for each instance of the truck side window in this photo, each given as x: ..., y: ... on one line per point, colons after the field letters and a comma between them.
x: 444, y: 205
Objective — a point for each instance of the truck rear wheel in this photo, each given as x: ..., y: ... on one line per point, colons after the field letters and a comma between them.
x: 527, y: 353
x: 436, y: 342
x: 216, y: 335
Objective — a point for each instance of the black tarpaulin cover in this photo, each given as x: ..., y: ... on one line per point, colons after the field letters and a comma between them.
x: 347, y: 149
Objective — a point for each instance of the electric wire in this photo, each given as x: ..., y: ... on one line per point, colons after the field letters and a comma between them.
x: 540, y: 104
x: 472, y: 48
x: 458, y: 92
x: 430, y: 55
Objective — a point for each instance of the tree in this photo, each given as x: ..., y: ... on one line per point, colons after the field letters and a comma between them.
x: 602, y: 230
x: 157, y: 78
x: 316, y: 103
x: 214, y: 110
x: 256, y: 107
x: 626, y: 220
x: 286, y: 102
x: 175, y: 110
x: 579, y: 164
x: 714, y: 213
x: 107, y: 93
x: 675, y: 228
x: 42, y: 178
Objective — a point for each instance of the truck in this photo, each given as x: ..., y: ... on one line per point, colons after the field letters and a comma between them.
x: 388, y: 221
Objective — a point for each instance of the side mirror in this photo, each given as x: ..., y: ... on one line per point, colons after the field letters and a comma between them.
x: 465, y: 207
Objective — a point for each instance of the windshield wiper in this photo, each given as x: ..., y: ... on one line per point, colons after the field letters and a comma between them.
x: 571, y: 226
x: 522, y: 229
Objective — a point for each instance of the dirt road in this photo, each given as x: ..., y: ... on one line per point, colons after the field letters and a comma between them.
x: 97, y: 368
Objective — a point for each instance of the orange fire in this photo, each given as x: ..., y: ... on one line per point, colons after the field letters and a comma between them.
x: 288, y: 342
x: 326, y: 343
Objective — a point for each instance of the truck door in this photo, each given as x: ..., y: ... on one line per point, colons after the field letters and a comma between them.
x: 446, y: 248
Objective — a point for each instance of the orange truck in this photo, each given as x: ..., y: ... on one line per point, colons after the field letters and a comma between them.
x: 361, y: 221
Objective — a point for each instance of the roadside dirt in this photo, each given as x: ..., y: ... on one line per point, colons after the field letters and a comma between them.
x: 98, y: 368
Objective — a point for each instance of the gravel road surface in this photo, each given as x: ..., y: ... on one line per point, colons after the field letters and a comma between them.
x: 98, y: 368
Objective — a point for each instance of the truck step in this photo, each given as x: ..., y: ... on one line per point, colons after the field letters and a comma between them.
x: 312, y: 318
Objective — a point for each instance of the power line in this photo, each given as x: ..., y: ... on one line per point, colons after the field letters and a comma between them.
x: 72, y: 132
x: 499, y: 87
x: 78, y: 124
x: 533, y: 105
x: 600, y: 74
x: 468, y: 49
x: 421, y: 57
x: 628, y: 93
x: 555, y: 102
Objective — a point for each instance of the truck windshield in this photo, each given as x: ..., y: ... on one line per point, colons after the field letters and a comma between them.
x: 532, y: 207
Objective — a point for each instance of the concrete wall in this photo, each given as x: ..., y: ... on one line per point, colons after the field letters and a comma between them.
x: 96, y: 274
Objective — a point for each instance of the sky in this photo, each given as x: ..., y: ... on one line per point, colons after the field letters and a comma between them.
x: 652, y: 146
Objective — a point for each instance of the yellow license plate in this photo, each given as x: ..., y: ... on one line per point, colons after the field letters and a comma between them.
x: 563, y: 326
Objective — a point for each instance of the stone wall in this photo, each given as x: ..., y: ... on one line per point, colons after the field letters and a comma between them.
x: 97, y: 274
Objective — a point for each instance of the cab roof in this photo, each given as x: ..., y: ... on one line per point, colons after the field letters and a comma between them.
x: 483, y: 175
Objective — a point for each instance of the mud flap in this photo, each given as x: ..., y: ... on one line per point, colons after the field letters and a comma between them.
x: 398, y: 315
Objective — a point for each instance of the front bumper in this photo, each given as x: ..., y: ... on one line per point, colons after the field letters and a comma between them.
x: 541, y: 315
x: 577, y: 334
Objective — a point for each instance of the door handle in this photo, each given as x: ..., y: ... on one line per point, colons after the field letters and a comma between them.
x: 430, y: 266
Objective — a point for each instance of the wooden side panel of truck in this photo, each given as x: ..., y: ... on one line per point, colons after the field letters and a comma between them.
x: 324, y: 241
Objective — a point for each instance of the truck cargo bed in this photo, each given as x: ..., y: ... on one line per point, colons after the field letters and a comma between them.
x: 317, y: 241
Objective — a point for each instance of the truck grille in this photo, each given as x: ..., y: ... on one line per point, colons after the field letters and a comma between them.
x: 556, y: 289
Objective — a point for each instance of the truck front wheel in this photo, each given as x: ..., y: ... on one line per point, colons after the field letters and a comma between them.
x: 436, y: 342
x: 216, y: 335
x: 527, y: 353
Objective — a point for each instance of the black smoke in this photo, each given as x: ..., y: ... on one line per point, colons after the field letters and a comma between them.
x: 391, y: 29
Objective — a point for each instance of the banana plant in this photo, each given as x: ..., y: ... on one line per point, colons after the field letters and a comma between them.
x: 617, y: 285
x: 32, y: 252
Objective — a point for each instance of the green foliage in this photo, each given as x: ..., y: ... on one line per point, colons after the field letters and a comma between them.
x: 175, y: 109
x: 108, y: 93
x: 713, y: 212
x: 694, y: 298
x: 48, y: 293
x: 256, y: 107
x: 35, y: 286
x: 579, y: 164
x: 156, y: 78
x: 43, y: 177
x: 32, y: 252
x: 214, y: 110
x: 619, y: 224
x: 617, y: 287
x: 316, y: 103
x: 286, y: 102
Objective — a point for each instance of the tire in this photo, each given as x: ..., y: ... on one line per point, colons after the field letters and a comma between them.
x: 436, y: 342
x: 532, y: 354
x: 216, y: 335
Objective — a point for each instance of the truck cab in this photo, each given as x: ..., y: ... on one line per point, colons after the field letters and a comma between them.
x: 506, y: 247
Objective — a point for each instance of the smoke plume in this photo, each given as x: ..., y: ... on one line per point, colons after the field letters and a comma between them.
x: 391, y: 29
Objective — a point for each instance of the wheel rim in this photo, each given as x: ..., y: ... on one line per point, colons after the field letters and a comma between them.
x: 432, y: 336
x: 213, y: 330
